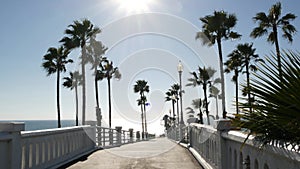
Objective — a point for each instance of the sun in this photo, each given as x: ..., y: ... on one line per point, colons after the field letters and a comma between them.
x: 135, y: 6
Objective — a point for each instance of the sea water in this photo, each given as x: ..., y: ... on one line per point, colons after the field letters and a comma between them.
x: 43, y: 124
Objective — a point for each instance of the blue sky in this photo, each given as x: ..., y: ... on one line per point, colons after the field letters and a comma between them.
x: 29, y: 28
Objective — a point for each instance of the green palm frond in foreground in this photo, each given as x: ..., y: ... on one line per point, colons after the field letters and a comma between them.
x: 276, y: 111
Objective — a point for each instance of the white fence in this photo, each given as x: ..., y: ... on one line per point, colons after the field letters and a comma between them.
x: 108, y: 137
x: 218, y: 147
x: 49, y: 148
x: 52, y: 148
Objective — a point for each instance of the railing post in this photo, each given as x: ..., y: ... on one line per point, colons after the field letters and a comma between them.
x: 221, y: 126
x: 131, y: 135
x: 12, y: 144
x: 111, y: 136
x: 92, y: 133
x: 119, y: 135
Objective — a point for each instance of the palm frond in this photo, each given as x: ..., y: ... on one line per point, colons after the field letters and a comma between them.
x: 276, y: 109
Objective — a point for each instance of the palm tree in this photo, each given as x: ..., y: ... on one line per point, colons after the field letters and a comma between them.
x: 276, y: 112
x: 171, y: 97
x: 141, y: 87
x: 271, y: 22
x: 108, y: 71
x: 73, y: 82
x: 77, y: 36
x: 203, y: 78
x: 55, y: 62
x: 234, y: 63
x: 95, y: 51
x: 247, y: 54
x: 215, y: 28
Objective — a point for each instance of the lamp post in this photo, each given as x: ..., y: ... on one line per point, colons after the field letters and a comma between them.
x: 180, y: 70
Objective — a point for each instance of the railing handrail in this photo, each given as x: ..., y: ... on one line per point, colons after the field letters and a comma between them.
x: 222, y: 148
x: 52, y: 131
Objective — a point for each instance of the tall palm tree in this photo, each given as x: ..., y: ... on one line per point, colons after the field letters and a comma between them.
x: 95, y: 53
x: 272, y: 22
x: 55, y: 62
x: 203, y: 78
x: 171, y: 97
x: 73, y: 82
x: 248, y: 58
x: 215, y: 28
x: 108, y: 71
x: 234, y: 63
x: 141, y: 87
x: 78, y: 35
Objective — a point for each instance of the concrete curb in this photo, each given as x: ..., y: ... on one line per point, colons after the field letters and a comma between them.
x: 197, y: 156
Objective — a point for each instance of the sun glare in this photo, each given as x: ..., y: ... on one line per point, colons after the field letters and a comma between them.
x: 136, y: 6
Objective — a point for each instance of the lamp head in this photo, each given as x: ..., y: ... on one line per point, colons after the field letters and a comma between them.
x: 180, y: 67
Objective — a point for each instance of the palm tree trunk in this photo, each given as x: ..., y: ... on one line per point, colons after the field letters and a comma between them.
x: 109, y: 100
x: 206, y: 104
x: 96, y: 88
x: 142, y: 115
x: 248, y: 86
x: 76, y: 102
x: 57, y: 99
x: 173, y: 106
x: 236, y: 91
x: 277, y: 52
x: 200, y: 112
x: 83, y: 51
x: 222, y: 77
x: 145, y: 121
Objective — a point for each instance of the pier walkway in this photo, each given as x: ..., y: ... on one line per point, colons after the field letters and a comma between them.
x: 90, y: 146
x: 153, y: 154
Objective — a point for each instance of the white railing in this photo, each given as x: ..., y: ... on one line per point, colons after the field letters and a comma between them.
x: 107, y: 137
x: 218, y: 147
x: 204, y: 140
x: 250, y: 156
x: 53, y: 148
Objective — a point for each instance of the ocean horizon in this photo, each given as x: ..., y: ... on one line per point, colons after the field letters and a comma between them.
x: 31, y: 125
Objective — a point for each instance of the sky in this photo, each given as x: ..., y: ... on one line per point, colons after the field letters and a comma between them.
x: 146, y: 39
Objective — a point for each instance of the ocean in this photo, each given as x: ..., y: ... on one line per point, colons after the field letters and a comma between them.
x: 43, y: 124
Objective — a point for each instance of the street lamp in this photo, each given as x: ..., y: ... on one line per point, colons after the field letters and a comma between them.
x: 180, y: 70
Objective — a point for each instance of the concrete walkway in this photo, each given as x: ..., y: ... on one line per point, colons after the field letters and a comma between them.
x: 154, y: 154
